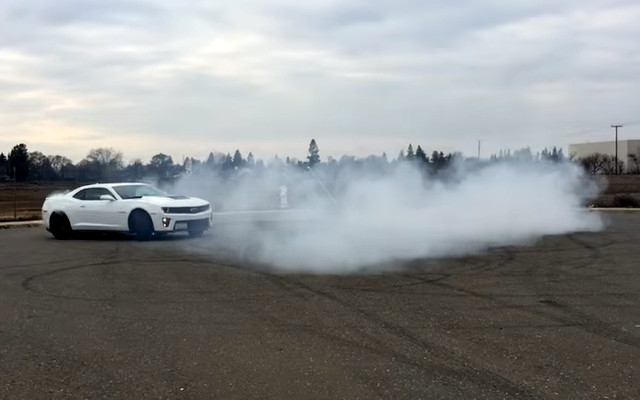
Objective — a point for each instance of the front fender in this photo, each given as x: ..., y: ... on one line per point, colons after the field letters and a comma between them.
x: 154, y: 211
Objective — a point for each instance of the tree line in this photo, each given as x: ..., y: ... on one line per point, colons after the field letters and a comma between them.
x: 106, y: 164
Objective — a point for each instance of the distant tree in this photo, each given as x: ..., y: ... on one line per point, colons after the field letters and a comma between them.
x: 187, y: 165
x: 421, y: 155
x: 545, y: 154
x: 227, y: 164
x: 554, y: 155
x: 68, y: 172
x: 40, y: 167
x: 251, y: 162
x: 237, y: 161
x: 632, y: 168
x: 19, y: 162
x: 410, y: 152
x: 598, y: 163
x: 105, y: 156
x: 435, y: 158
x: 135, y: 170
x: 3, y: 165
x: 314, y: 153
x: 211, y: 162
x: 401, y: 156
x: 439, y: 160
x: 88, y: 171
x: 57, y: 163
x: 193, y: 165
x: 347, y: 161
x: 523, y: 154
x: 104, y: 162
x: 277, y: 163
x: 161, y: 165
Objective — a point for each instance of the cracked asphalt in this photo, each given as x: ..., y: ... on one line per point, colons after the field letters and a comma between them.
x: 109, y: 317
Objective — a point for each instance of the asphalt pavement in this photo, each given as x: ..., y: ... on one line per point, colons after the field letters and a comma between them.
x: 109, y: 317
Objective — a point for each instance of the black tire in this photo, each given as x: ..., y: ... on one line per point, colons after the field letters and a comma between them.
x: 59, y: 226
x: 195, y: 233
x: 140, y: 223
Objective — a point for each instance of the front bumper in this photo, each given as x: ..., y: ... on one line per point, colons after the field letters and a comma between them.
x: 182, y: 222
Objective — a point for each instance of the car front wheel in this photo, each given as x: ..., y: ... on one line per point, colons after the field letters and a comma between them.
x: 140, y: 223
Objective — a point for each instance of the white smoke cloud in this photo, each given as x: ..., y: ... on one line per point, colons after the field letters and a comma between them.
x: 376, y: 218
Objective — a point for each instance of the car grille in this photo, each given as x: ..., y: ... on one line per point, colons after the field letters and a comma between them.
x: 185, y: 210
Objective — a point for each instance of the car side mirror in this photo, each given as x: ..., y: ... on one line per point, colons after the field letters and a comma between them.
x: 107, y: 197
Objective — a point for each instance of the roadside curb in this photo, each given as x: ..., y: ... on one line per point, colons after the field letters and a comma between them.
x: 21, y: 224
x: 613, y: 209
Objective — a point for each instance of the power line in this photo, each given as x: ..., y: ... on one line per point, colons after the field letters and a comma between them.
x: 599, y: 129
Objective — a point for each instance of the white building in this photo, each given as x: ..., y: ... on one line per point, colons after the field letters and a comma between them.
x: 625, y: 148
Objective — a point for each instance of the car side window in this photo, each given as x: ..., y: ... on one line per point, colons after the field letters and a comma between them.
x: 80, y: 195
x: 92, y: 194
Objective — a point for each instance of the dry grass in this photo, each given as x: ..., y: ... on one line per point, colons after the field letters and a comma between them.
x: 27, y: 198
x: 619, y: 191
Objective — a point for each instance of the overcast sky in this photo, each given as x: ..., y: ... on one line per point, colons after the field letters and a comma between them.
x: 359, y: 76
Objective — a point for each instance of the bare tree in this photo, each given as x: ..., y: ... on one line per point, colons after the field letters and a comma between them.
x: 634, y: 164
x: 105, y: 161
x: 597, y: 163
x: 40, y: 167
x: 105, y: 156
x: 594, y: 163
x: 58, y: 162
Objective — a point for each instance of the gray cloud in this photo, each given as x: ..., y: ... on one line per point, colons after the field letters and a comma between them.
x: 357, y: 75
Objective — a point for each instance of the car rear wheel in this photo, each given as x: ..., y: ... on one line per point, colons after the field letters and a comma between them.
x: 59, y: 226
x: 140, y: 223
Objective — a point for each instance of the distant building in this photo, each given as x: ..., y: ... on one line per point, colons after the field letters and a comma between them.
x: 625, y: 148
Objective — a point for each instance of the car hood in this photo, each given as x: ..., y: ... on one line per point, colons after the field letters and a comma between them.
x: 174, y: 201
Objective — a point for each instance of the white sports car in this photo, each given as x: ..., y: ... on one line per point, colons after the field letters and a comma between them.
x: 124, y: 207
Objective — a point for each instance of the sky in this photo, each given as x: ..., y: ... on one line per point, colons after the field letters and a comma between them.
x: 360, y: 76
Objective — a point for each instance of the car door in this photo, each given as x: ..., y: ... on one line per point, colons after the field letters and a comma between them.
x: 104, y: 214
x: 77, y: 212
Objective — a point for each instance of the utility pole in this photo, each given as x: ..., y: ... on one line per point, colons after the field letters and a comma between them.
x: 15, y: 197
x: 478, y: 150
x: 616, y: 128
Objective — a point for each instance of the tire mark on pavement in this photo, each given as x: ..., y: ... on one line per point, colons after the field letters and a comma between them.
x: 479, y: 375
x: 581, y: 320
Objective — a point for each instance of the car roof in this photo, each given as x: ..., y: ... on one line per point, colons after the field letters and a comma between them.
x: 126, y: 184
x: 94, y: 185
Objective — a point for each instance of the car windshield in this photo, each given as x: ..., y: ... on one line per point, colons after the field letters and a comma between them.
x: 136, y: 191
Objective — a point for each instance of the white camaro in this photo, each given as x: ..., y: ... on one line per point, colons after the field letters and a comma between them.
x: 124, y: 207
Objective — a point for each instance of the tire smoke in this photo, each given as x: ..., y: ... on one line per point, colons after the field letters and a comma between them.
x: 354, y: 219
